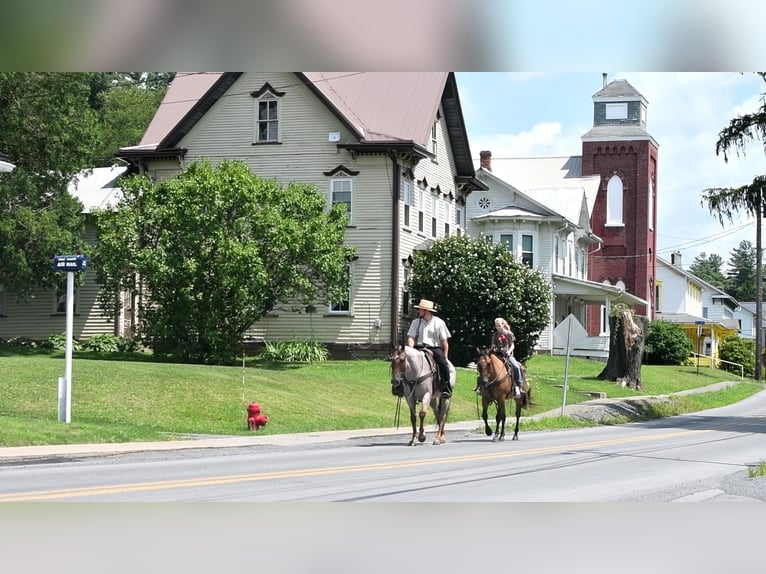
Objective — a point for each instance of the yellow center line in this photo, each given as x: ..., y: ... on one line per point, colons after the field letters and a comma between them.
x: 221, y: 480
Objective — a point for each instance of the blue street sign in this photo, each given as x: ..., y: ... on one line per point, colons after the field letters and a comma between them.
x: 699, y: 322
x: 70, y: 262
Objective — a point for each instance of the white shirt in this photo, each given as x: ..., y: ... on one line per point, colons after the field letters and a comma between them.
x: 430, y: 333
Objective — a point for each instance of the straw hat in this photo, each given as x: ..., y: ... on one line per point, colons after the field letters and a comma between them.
x: 426, y: 305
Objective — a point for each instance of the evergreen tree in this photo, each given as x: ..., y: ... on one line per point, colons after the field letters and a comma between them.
x: 708, y: 268
x: 741, y: 274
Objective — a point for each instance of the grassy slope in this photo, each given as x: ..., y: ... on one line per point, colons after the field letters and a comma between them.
x: 116, y: 401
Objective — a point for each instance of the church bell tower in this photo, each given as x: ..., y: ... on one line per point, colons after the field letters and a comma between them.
x: 621, y: 151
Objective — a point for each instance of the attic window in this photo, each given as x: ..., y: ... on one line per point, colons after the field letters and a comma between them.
x: 617, y: 111
x: 267, y: 114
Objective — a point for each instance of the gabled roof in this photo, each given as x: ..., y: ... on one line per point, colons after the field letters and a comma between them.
x: 553, y: 183
x: 618, y: 90
x: 593, y: 292
x: 378, y: 108
x: 716, y: 293
x: 97, y: 188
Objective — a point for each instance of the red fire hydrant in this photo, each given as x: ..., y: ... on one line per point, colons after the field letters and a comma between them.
x: 255, y: 419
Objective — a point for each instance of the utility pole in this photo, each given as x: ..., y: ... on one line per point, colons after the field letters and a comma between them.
x: 758, y: 288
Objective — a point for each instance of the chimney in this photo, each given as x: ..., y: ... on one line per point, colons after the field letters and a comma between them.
x: 603, y: 76
x: 675, y: 259
x: 485, y: 158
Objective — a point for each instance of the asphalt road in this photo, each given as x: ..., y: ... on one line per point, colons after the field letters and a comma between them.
x: 692, y: 458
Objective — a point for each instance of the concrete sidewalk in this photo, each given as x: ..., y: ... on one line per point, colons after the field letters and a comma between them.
x: 596, y: 410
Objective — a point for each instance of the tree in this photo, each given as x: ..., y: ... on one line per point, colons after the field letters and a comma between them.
x: 626, y: 347
x: 708, y: 268
x: 741, y: 274
x: 125, y: 103
x: 741, y: 131
x: 473, y: 281
x: 216, y: 249
x: 49, y: 132
x: 666, y: 343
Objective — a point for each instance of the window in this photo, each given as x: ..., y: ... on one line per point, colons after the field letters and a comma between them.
x: 507, y: 240
x: 59, y: 300
x: 341, y: 189
x: 421, y: 216
x: 617, y: 111
x: 651, y: 204
x: 434, y: 207
x: 434, y: 141
x: 705, y: 312
x: 407, y: 198
x: 344, y: 306
x: 527, y: 250
x: 268, y: 119
x: 447, y: 216
x: 556, y: 242
x: 614, y: 201
x: 658, y: 295
x: 458, y: 220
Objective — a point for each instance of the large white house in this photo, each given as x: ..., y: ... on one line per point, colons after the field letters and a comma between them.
x: 541, y: 209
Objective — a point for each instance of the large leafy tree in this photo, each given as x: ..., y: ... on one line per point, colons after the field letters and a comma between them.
x: 473, y: 281
x: 49, y: 131
x: 125, y: 103
x: 709, y: 268
x: 741, y: 274
x: 215, y: 249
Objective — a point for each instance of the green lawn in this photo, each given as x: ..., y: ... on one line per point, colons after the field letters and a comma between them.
x: 129, y: 400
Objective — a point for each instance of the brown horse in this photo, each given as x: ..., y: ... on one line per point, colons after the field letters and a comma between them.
x: 496, y: 384
x: 413, y: 376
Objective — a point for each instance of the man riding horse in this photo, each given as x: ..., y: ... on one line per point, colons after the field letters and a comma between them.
x: 431, y: 332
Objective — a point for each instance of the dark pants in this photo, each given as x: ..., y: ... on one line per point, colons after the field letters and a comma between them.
x: 441, y: 362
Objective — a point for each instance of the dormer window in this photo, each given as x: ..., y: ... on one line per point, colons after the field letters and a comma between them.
x: 617, y: 111
x: 267, y: 114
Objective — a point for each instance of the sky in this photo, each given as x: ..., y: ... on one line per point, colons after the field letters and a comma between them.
x: 539, y: 114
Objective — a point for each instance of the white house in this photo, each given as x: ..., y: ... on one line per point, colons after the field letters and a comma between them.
x: 541, y: 208
x: 705, y: 312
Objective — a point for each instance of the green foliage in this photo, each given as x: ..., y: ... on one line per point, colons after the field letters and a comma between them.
x: 738, y: 350
x: 472, y: 281
x: 666, y: 344
x: 57, y: 342
x: 217, y: 249
x: 21, y: 343
x: 708, y: 268
x: 741, y: 275
x: 102, y: 344
x: 295, y: 351
x: 49, y: 132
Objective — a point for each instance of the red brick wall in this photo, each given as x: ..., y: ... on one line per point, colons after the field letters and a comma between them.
x: 628, y: 252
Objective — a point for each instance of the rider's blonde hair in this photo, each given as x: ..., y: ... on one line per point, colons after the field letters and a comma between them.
x: 502, y: 324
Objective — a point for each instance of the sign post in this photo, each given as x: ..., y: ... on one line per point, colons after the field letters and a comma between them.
x: 70, y: 264
x: 699, y: 342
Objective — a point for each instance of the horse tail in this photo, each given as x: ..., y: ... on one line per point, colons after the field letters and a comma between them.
x: 528, y: 397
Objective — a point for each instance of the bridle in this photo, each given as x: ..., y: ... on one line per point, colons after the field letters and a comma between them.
x: 484, y: 364
x: 399, y: 367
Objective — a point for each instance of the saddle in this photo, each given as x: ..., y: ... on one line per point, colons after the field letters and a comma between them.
x: 432, y: 366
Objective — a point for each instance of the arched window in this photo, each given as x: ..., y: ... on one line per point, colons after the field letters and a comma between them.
x: 614, y: 201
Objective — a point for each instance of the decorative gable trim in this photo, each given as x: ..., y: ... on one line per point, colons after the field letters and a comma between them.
x: 267, y: 87
x: 340, y: 169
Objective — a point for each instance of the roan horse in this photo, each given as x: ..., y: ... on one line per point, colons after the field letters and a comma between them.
x: 412, y: 377
x: 496, y: 384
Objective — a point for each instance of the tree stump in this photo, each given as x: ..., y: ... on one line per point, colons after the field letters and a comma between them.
x: 626, y: 349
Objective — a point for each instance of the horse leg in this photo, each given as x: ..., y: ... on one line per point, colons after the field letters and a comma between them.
x: 484, y: 408
x: 518, y: 401
x: 413, y: 422
x: 441, y: 409
x: 499, y: 422
x: 422, y: 415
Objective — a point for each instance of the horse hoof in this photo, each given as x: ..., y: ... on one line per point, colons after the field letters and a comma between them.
x: 515, y: 437
x: 488, y: 432
x: 411, y: 443
x: 422, y: 438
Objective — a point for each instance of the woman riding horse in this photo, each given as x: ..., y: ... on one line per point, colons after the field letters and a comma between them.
x: 495, y: 383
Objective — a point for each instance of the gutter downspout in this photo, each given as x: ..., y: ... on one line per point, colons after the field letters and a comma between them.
x: 395, y: 239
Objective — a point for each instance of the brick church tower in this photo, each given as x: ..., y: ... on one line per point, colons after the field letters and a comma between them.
x: 621, y: 151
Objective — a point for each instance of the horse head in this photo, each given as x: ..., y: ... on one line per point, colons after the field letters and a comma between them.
x: 484, y: 367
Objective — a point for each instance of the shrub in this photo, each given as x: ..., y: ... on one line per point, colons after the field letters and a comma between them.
x: 57, y: 342
x: 295, y: 351
x: 737, y: 350
x: 21, y: 342
x: 102, y: 344
x: 666, y: 344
